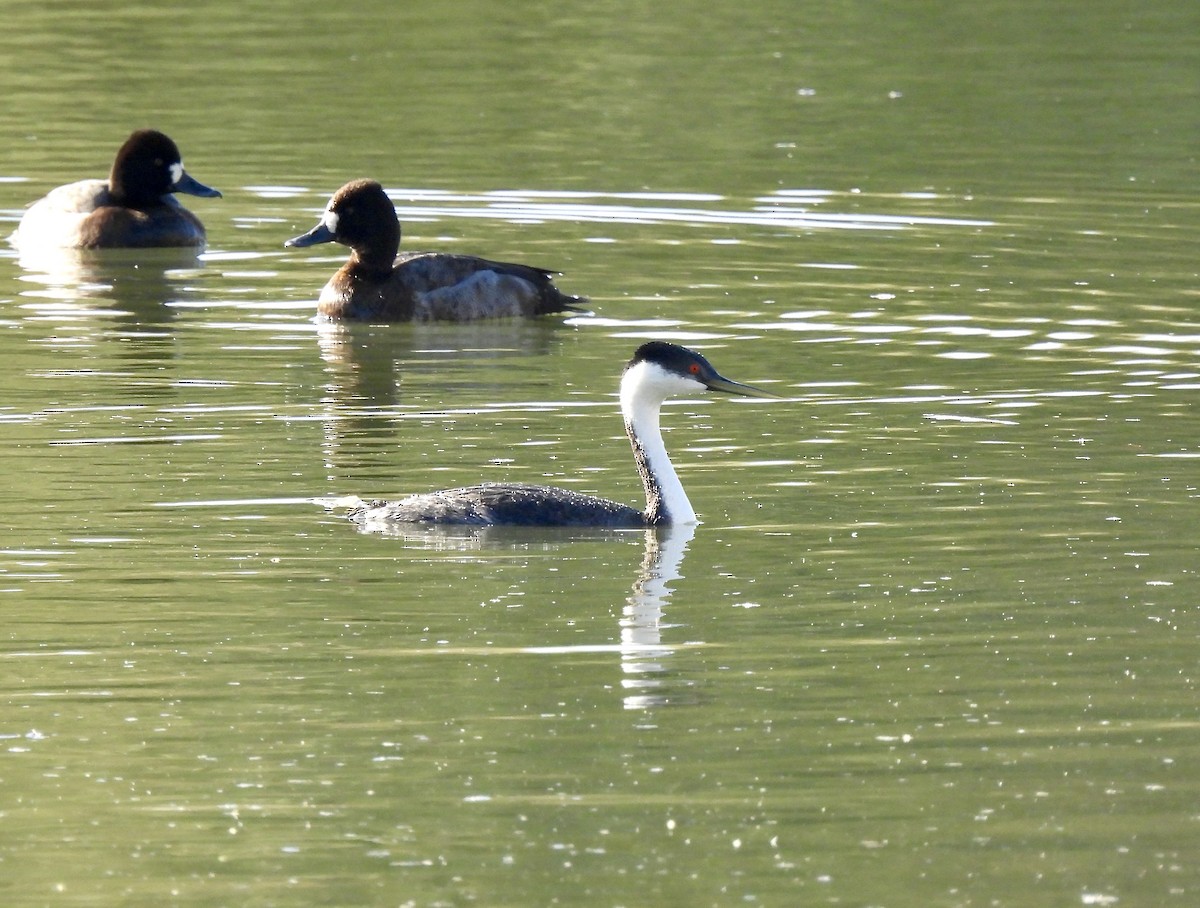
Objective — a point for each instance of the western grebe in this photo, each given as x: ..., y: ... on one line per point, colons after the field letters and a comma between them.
x: 657, y: 371
x: 417, y: 286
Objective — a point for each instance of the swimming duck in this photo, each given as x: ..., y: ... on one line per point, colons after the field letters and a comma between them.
x: 658, y: 370
x: 377, y: 284
x: 134, y: 207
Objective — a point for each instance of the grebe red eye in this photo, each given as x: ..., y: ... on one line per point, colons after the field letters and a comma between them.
x: 694, y: 368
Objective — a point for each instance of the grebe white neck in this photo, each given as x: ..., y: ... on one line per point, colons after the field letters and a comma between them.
x: 644, y: 387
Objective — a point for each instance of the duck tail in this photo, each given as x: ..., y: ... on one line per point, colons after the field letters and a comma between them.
x: 554, y: 300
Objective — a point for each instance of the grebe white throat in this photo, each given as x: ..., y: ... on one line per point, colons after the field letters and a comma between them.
x: 644, y: 388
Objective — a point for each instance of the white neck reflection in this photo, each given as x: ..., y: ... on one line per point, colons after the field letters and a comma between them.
x: 643, y: 654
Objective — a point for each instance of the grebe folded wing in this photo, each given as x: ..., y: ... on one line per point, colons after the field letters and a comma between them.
x: 510, y: 504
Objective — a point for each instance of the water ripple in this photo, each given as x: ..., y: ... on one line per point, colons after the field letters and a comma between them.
x: 528, y: 206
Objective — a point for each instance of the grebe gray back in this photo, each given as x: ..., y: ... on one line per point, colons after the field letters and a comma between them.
x: 657, y: 371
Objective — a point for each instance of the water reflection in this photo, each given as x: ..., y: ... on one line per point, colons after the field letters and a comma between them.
x: 442, y: 537
x: 360, y: 365
x: 140, y: 280
x: 124, y: 295
x: 364, y: 368
x: 363, y: 360
x: 643, y: 654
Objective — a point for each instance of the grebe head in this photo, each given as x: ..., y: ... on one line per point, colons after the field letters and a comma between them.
x: 659, y: 370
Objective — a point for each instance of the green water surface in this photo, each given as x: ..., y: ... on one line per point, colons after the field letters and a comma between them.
x: 936, y: 641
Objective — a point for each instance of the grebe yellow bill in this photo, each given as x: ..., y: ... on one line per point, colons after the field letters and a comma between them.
x: 657, y: 371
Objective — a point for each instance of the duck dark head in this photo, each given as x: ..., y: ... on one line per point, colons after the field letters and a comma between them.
x: 147, y: 167
x: 360, y: 215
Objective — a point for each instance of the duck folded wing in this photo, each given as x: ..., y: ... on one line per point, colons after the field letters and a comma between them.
x: 465, y: 288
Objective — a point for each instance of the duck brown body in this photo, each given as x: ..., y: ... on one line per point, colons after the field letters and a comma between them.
x: 134, y: 208
x: 382, y: 284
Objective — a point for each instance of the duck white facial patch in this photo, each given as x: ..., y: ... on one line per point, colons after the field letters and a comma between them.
x: 176, y: 172
x: 330, y: 221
